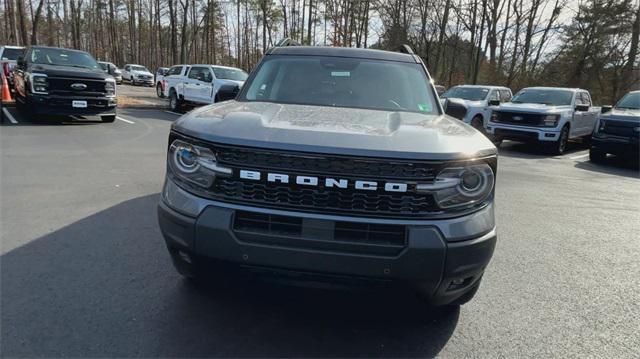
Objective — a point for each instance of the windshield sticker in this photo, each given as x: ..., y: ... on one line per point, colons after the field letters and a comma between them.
x: 340, y: 73
x: 424, y: 107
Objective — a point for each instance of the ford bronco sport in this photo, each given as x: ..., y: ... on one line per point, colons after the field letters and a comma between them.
x: 333, y: 165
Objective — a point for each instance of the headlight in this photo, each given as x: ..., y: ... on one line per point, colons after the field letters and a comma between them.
x: 494, y: 116
x: 551, y: 120
x: 110, y: 87
x: 39, y: 84
x: 194, y: 164
x: 461, y: 186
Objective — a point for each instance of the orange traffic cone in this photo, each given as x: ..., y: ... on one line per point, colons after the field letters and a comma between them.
x: 6, y: 94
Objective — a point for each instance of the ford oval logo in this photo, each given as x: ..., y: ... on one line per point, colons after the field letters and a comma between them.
x: 78, y: 86
x: 517, y: 118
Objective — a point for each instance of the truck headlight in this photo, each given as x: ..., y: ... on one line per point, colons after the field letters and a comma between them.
x: 495, y: 116
x: 194, y: 164
x: 551, y: 120
x: 461, y: 186
x: 39, y: 84
x: 110, y: 87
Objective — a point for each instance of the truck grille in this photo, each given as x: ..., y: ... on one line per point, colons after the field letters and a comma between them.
x: 62, y: 87
x: 619, y: 128
x: 321, y: 199
x: 518, y: 118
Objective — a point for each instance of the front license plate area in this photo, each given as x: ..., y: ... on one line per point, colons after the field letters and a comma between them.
x: 79, y: 104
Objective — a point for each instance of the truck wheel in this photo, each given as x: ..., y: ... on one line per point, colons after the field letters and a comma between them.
x: 159, y: 90
x: 478, y: 124
x: 24, y: 110
x: 558, y: 147
x: 174, y: 102
x: 597, y: 156
x: 108, y: 119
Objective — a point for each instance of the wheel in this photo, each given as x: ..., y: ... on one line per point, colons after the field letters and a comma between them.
x: 478, y: 123
x: 497, y: 141
x: 159, y: 90
x: 174, y: 102
x: 558, y: 147
x: 108, y: 119
x: 24, y: 110
x: 597, y: 156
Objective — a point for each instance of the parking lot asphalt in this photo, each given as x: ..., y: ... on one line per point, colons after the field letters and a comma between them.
x: 84, y: 271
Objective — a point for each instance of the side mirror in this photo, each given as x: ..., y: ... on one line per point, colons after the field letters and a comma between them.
x: 494, y: 102
x: 455, y: 108
x: 20, y: 61
x: 605, y: 109
x: 227, y: 92
x: 582, y: 108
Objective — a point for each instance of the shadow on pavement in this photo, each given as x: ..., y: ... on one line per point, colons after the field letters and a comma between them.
x: 614, y: 165
x: 47, y: 120
x: 535, y: 150
x: 104, y: 286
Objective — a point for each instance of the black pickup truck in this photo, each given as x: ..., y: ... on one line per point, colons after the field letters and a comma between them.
x: 56, y: 81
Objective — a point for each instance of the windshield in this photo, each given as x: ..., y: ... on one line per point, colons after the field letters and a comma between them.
x: 546, y: 97
x: 467, y: 93
x: 229, y: 74
x: 139, y: 68
x: 630, y: 100
x: 342, y: 82
x: 11, y: 54
x: 61, y: 57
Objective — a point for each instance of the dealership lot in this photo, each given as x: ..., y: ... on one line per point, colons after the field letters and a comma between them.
x: 84, y: 271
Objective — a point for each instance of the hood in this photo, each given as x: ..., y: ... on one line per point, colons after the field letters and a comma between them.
x: 136, y: 72
x: 227, y: 82
x: 532, y: 108
x: 622, y: 114
x: 117, y: 72
x: 334, y: 130
x: 466, y: 103
x: 70, y: 72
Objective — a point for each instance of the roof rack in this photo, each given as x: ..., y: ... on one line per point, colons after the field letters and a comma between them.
x: 287, y: 42
x: 405, y: 49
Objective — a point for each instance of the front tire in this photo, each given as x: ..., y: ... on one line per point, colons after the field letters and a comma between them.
x: 478, y: 123
x: 597, y: 156
x: 558, y: 147
x: 108, y: 119
x: 174, y: 102
x: 159, y: 90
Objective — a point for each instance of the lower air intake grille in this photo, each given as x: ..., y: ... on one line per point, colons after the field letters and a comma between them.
x: 319, y: 234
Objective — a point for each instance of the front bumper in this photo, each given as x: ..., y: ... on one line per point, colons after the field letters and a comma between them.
x: 62, y: 105
x: 523, y: 133
x: 148, y: 82
x: 616, y: 145
x: 436, y: 253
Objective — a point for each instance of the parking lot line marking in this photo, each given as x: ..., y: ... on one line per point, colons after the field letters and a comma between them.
x: 580, y: 156
x: 8, y: 114
x: 173, y: 113
x: 124, y: 119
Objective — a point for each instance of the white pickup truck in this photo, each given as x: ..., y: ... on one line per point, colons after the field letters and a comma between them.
x: 476, y: 100
x: 201, y: 84
x: 548, y: 115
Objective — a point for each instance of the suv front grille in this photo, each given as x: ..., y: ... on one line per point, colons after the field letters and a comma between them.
x: 322, y: 199
x: 319, y: 198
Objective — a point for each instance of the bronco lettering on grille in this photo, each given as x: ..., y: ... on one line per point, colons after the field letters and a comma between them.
x: 327, y: 181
